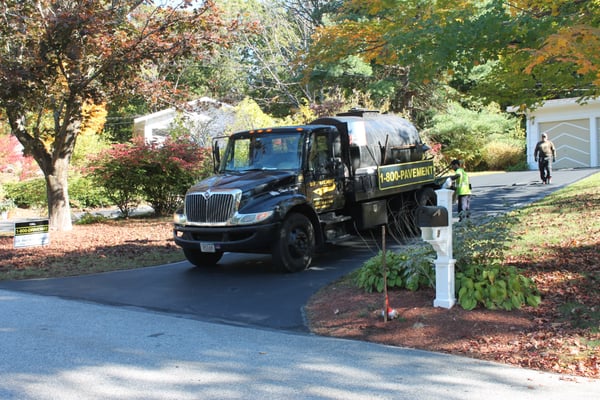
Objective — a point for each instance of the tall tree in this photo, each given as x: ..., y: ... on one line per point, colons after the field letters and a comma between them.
x: 272, y: 60
x: 553, y: 53
x: 533, y: 49
x: 57, y: 55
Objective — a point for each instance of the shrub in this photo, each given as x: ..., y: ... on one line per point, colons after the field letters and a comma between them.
x: 85, y: 193
x: 158, y: 174
x: 28, y: 194
x: 6, y: 205
x: 464, y: 132
x: 88, y: 219
x: 169, y: 170
x: 2, y: 192
x: 481, y: 277
x: 484, y: 242
x: 117, y: 171
x: 13, y: 162
x: 495, y: 286
x: 411, y: 268
x: 502, y: 155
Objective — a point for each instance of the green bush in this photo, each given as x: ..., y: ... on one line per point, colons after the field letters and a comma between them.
x: 6, y: 205
x: 88, y: 219
x: 482, y: 242
x: 411, y: 269
x: 520, y: 166
x: 465, y: 132
x: 83, y: 193
x: 28, y: 194
x: 481, y: 277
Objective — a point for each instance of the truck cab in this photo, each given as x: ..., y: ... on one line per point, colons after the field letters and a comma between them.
x: 266, y: 196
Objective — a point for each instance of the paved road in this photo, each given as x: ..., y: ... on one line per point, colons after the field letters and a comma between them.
x: 241, y: 291
x: 498, y: 193
x: 52, y: 348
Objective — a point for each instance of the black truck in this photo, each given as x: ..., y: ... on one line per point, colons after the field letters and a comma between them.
x: 289, y: 191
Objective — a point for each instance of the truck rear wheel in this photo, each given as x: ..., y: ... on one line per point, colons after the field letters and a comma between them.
x: 295, y: 244
x: 201, y: 259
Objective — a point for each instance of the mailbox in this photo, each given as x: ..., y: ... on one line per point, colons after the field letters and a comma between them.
x: 431, y: 217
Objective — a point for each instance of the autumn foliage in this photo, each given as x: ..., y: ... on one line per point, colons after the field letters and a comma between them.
x: 56, y: 57
x: 158, y: 174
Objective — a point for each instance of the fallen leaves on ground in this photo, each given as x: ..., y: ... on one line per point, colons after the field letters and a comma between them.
x: 562, y: 335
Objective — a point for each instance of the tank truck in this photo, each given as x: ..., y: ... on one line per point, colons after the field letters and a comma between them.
x: 289, y: 191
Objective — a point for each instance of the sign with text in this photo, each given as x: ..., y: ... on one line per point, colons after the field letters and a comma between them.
x: 32, y: 233
x: 397, y: 175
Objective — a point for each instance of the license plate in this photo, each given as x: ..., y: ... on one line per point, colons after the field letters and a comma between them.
x: 207, y: 247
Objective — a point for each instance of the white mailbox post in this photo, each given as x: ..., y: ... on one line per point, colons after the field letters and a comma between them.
x: 440, y: 237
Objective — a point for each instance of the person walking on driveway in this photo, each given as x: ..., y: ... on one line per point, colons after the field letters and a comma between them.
x: 463, y: 189
x: 545, y: 154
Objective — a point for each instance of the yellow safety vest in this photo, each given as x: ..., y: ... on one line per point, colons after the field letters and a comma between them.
x: 463, y: 187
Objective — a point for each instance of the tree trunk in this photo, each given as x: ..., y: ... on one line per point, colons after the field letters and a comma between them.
x: 55, y: 166
x: 57, y: 189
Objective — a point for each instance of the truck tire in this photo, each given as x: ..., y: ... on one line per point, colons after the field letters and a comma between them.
x: 295, y: 245
x: 201, y: 259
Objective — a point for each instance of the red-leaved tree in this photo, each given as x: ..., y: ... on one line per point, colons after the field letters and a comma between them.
x: 160, y: 175
x: 13, y: 161
x: 57, y: 55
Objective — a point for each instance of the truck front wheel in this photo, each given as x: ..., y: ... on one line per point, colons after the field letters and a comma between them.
x: 295, y: 245
x: 201, y: 259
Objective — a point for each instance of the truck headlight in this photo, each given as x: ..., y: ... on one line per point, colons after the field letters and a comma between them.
x: 246, y: 219
x: 179, y: 218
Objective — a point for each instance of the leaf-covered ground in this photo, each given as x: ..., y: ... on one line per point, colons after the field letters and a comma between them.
x: 557, y: 244
x: 104, y: 246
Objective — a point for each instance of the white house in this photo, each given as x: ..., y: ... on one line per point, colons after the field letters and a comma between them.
x: 573, y: 127
x: 204, y: 118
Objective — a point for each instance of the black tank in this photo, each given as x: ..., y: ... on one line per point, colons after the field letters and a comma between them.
x: 377, y: 139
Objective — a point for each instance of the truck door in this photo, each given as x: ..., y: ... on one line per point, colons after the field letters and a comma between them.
x: 325, y: 178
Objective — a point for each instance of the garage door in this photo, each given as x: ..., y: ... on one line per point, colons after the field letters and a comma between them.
x: 571, y: 140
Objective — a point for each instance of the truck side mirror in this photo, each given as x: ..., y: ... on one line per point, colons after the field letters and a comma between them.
x: 431, y: 217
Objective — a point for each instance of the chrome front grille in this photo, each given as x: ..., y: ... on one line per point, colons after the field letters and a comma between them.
x: 211, y: 207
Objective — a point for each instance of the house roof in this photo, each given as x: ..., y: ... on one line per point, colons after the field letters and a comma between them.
x: 572, y: 102
x: 193, y: 106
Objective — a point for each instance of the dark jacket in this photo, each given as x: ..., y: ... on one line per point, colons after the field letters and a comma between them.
x: 544, y: 149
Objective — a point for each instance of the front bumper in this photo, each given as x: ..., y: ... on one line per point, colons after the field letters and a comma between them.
x: 239, y: 239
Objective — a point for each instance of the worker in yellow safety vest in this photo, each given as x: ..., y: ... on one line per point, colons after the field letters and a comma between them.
x: 463, y: 189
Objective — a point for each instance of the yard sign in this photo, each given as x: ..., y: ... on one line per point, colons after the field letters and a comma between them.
x: 32, y: 233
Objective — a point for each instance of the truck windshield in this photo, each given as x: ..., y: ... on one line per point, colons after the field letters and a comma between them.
x: 262, y: 152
